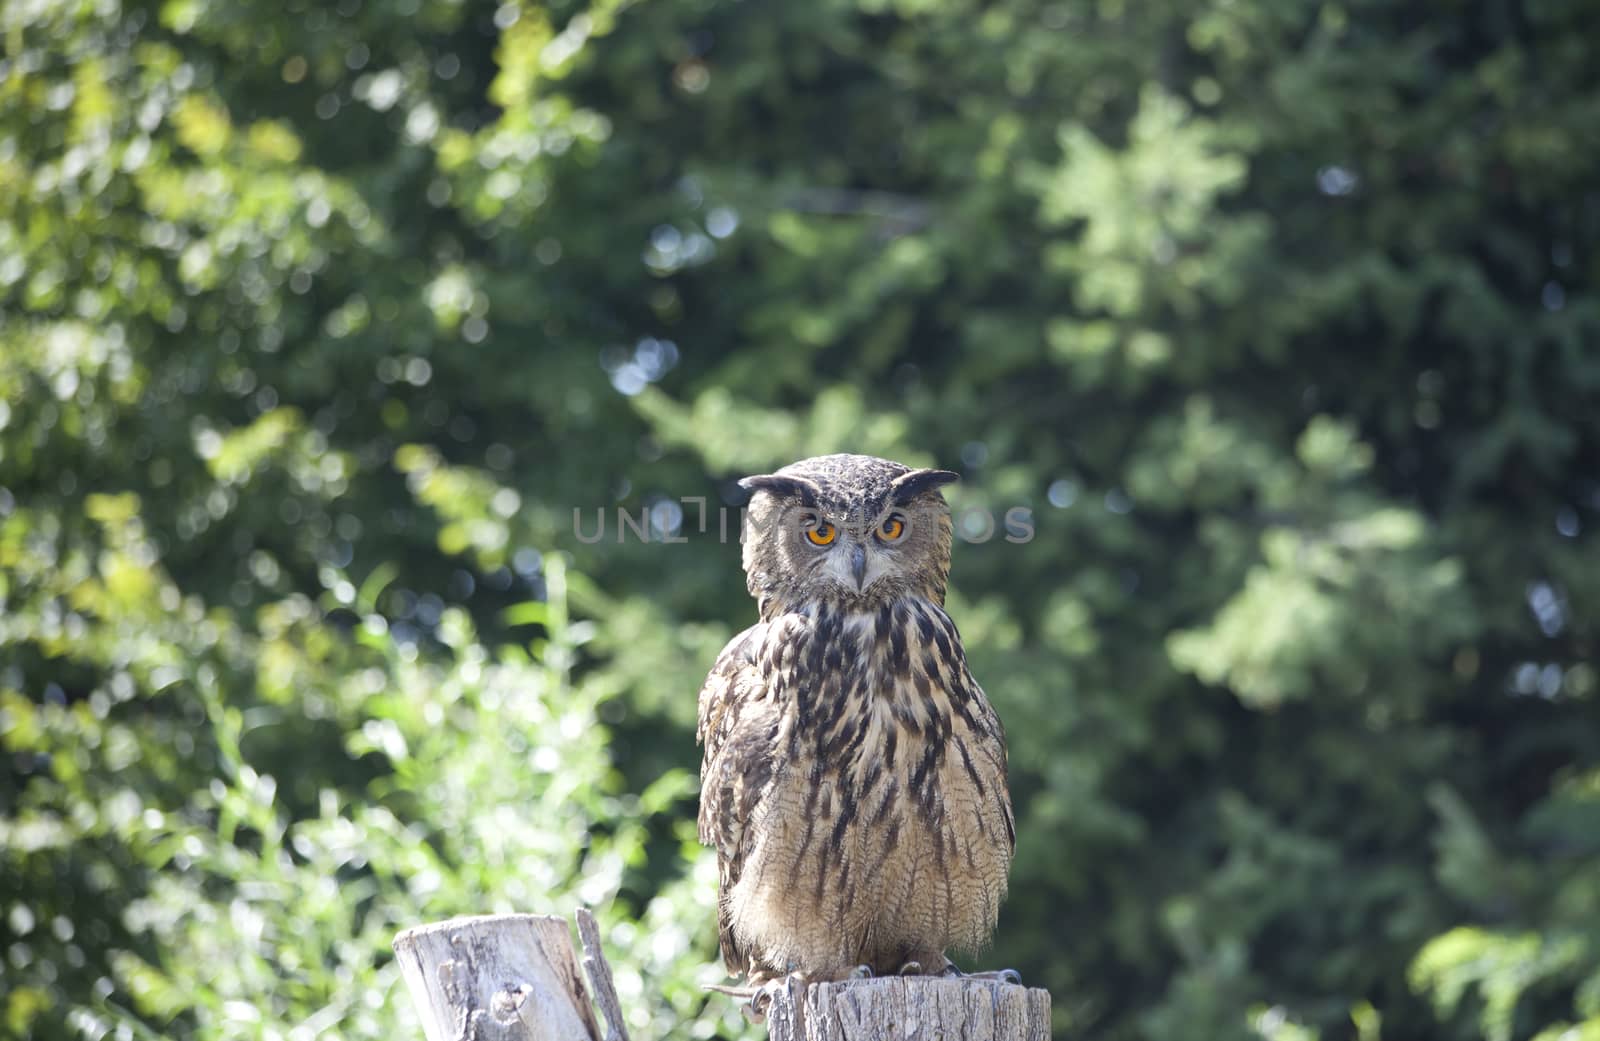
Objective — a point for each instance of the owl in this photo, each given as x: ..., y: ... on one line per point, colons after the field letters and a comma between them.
x: 854, y: 775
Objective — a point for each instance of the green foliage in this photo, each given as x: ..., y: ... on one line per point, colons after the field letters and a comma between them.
x: 326, y: 329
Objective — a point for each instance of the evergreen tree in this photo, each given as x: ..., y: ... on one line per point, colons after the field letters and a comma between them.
x: 327, y: 330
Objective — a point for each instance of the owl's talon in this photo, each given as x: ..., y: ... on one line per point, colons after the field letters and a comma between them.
x: 861, y: 972
x: 755, y: 1009
x: 911, y: 968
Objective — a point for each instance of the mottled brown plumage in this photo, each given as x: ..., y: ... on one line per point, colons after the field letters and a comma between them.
x: 854, y: 780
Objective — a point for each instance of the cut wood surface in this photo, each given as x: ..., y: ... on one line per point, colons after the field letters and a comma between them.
x: 910, y: 1008
x: 497, y: 978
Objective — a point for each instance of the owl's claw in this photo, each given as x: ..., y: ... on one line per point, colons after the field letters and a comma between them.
x: 755, y: 1010
x: 911, y: 968
x: 861, y: 972
x: 759, y: 998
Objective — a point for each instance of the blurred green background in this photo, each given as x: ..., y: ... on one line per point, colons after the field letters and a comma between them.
x: 318, y: 321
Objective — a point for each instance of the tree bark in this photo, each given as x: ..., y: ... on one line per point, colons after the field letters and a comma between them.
x: 910, y: 1008
x: 508, y: 977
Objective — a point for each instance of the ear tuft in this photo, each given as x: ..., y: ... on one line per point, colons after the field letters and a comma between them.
x: 916, y: 482
x: 783, y: 486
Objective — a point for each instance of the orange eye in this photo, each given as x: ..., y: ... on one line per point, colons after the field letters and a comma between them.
x: 891, y: 529
x: 822, y: 534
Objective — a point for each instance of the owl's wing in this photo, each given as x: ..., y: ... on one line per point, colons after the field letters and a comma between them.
x: 990, y: 737
x: 737, y: 768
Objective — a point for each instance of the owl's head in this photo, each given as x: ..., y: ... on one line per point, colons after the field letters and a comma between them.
x: 854, y: 530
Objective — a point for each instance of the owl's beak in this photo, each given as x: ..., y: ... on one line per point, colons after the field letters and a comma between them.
x: 858, y: 563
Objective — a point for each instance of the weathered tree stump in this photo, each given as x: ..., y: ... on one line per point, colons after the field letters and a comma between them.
x: 910, y: 1008
x: 507, y: 978
x: 515, y: 978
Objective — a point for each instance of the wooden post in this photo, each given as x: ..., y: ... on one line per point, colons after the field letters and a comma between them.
x: 910, y: 1008
x: 515, y: 978
x: 510, y: 977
